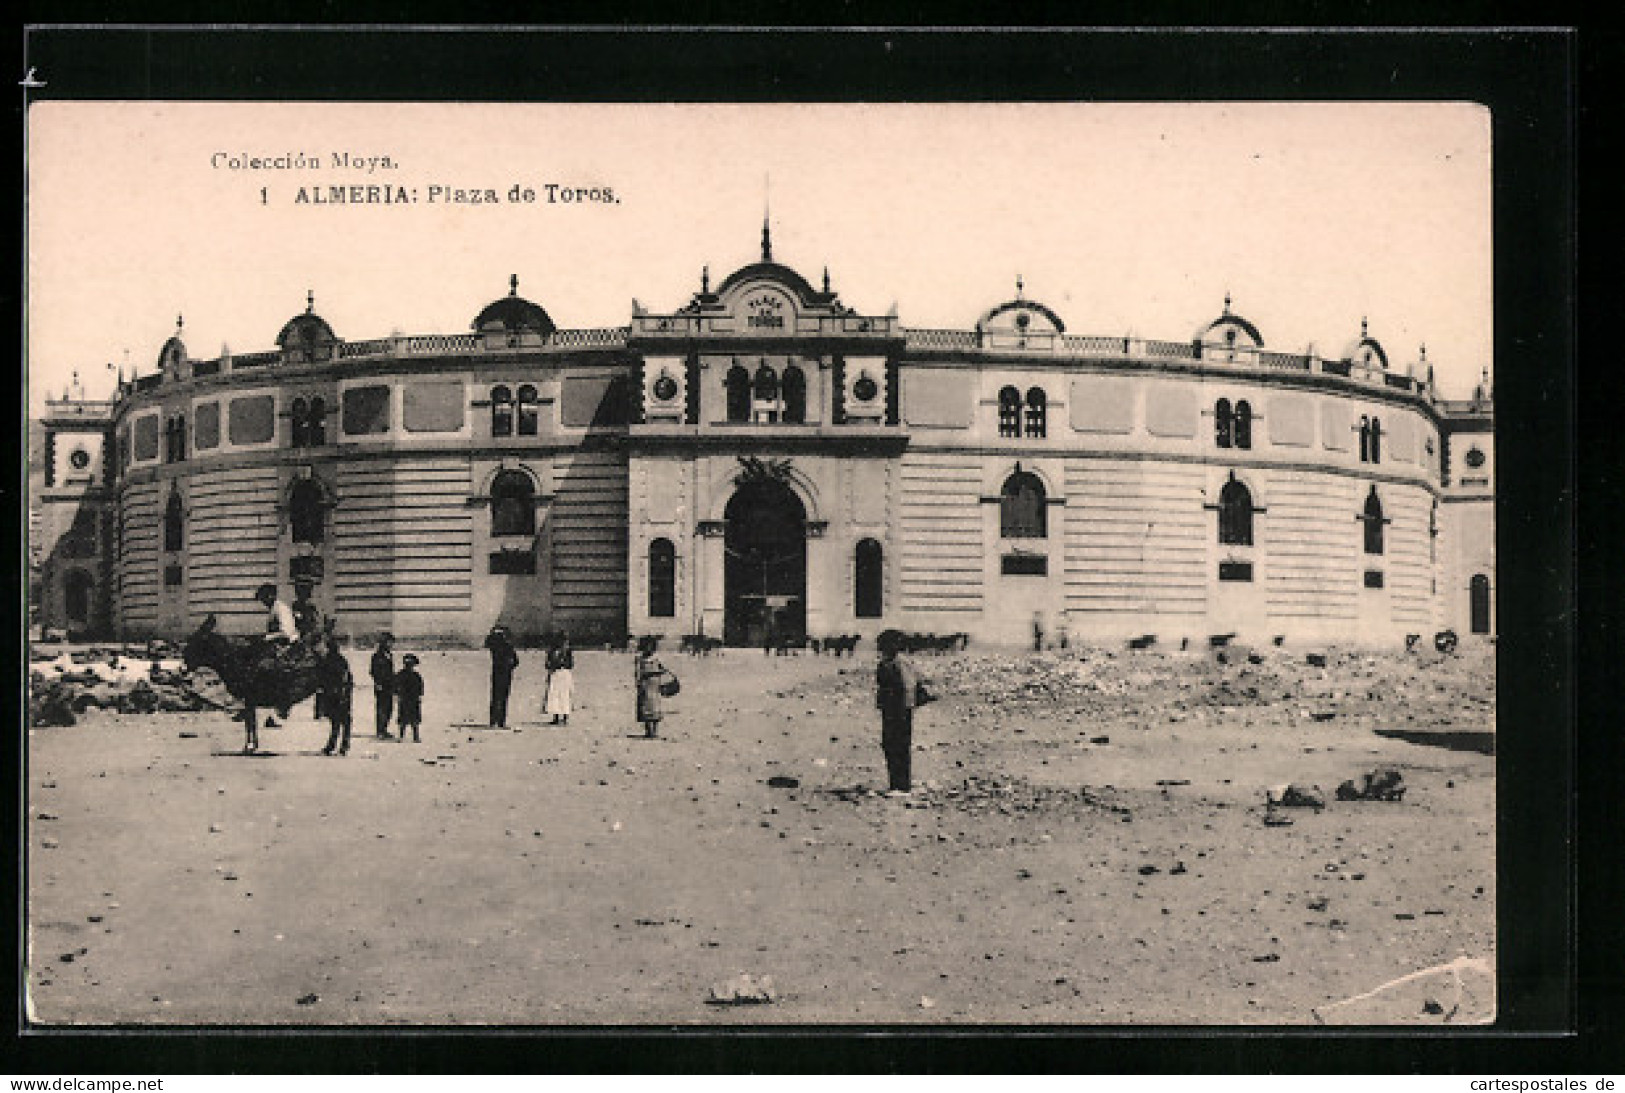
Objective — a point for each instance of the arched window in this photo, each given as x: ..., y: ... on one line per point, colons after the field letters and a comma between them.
x: 1022, y: 508
x: 738, y: 385
x: 299, y: 417
x: 501, y: 411
x: 1478, y: 597
x: 1009, y: 412
x: 1235, y: 514
x: 513, y: 504
x: 305, y: 512
x: 1223, y: 422
x: 1372, y: 518
x: 1365, y: 439
x: 1242, y: 425
x: 765, y: 386
x: 528, y: 413
x: 662, y: 579
x: 1037, y: 412
x: 868, y: 580
x: 316, y: 424
x: 795, y: 395
x: 179, y: 441
x: 174, y: 522
x: 1376, y: 441
x: 77, y: 589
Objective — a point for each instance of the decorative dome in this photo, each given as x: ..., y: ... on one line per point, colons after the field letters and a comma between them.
x: 1367, y: 351
x: 173, y: 355
x: 1229, y: 328
x: 1020, y: 316
x: 514, y: 313
x: 307, y: 331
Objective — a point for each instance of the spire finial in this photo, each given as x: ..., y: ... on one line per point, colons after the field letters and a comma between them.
x: 1424, y: 352
x: 1020, y: 285
x: 180, y: 321
x: 1364, y: 328
x: 705, y: 280
x: 1227, y: 301
x: 826, y: 280
x: 767, y: 216
x: 310, y: 300
x: 513, y: 284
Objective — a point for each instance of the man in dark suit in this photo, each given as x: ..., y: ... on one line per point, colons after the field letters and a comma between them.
x: 898, y: 690
x: 383, y: 683
x: 504, y: 659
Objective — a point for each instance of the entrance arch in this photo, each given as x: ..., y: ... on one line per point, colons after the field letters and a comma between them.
x: 765, y: 565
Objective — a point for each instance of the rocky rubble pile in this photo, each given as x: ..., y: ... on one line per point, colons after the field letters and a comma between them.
x: 143, y: 679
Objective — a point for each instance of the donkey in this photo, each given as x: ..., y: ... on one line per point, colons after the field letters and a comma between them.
x: 240, y: 664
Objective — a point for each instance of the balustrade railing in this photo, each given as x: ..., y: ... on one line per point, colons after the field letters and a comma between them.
x: 443, y: 343
x: 603, y: 337
x: 1184, y: 351
x: 1295, y: 362
x: 941, y: 339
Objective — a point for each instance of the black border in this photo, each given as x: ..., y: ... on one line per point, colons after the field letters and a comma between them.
x: 1527, y: 78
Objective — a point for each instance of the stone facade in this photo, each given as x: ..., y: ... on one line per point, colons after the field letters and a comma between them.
x: 766, y: 463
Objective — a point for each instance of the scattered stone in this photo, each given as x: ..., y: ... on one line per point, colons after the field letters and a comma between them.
x: 743, y: 991
x: 781, y: 781
x: 308, y: 1000
x: 1382, y: 784
x: 1296, y: 795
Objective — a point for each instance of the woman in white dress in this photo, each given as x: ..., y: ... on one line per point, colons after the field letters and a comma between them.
x: 561, y: 664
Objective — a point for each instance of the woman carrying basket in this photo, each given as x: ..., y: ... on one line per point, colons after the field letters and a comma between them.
x: 654, y: 683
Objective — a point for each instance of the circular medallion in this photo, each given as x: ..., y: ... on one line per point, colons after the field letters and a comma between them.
x: 865, y: 388
x: 665, y: 388
x: 80, y: 459
x: 1474, y: 458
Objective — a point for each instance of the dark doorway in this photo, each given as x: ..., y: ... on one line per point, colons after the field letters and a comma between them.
x: 77, y: 591
x: 765, y: 566
x: 1479, y: 602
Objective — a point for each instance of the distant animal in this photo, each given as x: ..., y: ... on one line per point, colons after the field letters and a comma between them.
x: 699, y: 645
x: 241, y: 666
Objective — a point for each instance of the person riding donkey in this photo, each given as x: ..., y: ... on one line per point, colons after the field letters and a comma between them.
x: 284, y: 647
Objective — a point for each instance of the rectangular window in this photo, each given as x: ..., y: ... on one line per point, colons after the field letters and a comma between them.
x: 305, y: 567
x: 433, y: 407
x: 1024, y: 565
x: 172, y: 576
x: 1373, y: 578
x: 1235, y: 571
x: 513, y: 563
x: 251, y: 420
x: 365, y: 411
x: 206, y: 426
x: 146, y: 439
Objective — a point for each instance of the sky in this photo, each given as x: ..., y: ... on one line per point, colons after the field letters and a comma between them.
x: 1123, y: 218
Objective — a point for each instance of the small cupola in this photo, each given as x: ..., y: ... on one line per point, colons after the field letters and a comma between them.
x: 306, y: 336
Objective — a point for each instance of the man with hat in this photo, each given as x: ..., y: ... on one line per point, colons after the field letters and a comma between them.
x: 504, y: 659
x: 281, y: 636
x: 898, y: 690
x: 383, y: 683
x: 307, y: 617
x: 409, y: 691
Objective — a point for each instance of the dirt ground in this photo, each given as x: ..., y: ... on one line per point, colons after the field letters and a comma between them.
x: 1087, y: 845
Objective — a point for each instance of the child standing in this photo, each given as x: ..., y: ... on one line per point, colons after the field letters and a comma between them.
x: 409, y: 696
x: 334, y: 697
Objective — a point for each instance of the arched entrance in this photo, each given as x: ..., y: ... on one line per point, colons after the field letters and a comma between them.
x: 765, y: 565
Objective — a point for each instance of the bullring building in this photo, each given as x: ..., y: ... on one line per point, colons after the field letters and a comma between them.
x: 764, y: 459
